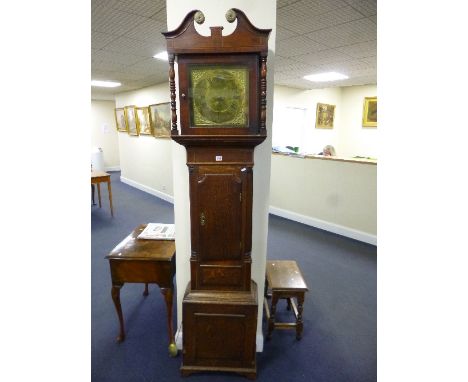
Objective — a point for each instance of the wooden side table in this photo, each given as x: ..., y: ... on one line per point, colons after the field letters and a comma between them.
x: 144, y: 261
x: 284, y: 279
x: 98, y: 177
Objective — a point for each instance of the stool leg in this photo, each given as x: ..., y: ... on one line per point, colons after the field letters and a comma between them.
x: 299, y: 324
x: 145, y: 293
x: 271, y: 321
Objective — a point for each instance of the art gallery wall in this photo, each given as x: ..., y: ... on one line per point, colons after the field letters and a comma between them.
x: 146, y: 161
x: 353, y: 138
x: 104, y: 134
x: 301, y: 131
x: 347, y: 136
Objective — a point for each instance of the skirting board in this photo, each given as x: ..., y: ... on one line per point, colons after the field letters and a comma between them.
x: 313, y: 222
x: 178, y: 340
x: 159, y: 194
x: 113, y: 168
x: 327, y: 226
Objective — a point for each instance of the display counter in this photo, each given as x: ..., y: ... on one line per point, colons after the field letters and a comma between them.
x: 357, y: 159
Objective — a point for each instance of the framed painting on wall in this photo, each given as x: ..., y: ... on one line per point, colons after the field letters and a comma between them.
x: 132, y: 121
x: 160, y: 118
x: 369, y: 113
x: 120, y: 121
x: 325, y: 116
x: 143, y: 121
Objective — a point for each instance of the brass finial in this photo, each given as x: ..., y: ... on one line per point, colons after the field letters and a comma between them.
x: 199, y: 17
x: 231, y: 15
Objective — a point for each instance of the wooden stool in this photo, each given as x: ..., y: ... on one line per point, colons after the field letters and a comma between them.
x: 284, y: 279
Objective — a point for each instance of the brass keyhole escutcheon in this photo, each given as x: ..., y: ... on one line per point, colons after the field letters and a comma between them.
x: 202, y: 218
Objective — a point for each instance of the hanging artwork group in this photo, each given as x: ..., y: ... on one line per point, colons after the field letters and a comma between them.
x: 152, y: 120
x: 326, y: 114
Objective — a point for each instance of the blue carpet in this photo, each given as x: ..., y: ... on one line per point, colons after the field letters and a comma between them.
x: 340, y: 311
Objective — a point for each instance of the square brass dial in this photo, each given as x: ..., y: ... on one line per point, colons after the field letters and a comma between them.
x: 219, y: 96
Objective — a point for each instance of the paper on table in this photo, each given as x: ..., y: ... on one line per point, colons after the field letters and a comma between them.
x: 158, y: 231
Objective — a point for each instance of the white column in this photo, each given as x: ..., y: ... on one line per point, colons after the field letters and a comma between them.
x: 262, y: 14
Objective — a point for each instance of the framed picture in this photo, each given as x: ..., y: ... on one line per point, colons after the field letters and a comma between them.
x: 325, y: 116
x: 132, y: 121
x: 160, y: 117
x: 369, y: 113
x: 120, y: 121
x: 143, y: 121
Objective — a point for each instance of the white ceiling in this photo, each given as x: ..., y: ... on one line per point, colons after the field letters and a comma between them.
x: 312, y: 36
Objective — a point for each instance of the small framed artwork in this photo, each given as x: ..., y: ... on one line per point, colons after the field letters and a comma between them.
x: 325, y: 116
x: 120, y: 121
x: 132, y: 121
x: 369, y: 113
x: 160, y: 117
x: 143, y: 121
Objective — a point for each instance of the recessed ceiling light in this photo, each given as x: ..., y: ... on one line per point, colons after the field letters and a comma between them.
x: 324, y: 77
x: 105, y: 84
x: 161, y: 56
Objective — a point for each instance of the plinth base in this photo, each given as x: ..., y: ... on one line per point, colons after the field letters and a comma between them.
x: 220, y: 331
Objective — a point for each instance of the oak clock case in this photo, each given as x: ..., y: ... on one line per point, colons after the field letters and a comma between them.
x: 222, y: 100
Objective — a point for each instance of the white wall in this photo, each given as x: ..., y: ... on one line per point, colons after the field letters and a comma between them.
x: 146, y: 161
x: 347, y: 136
x: 104, y: 132
x: 337, y: 196
x: 262, y: 15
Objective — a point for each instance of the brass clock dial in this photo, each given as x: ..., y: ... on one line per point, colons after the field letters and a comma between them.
x: 219, y: 96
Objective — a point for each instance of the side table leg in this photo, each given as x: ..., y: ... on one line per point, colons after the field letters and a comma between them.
x: 109, y: 188
x: 99, y: 193
x: 271, y: 321
x: 146, y: 293
x: 92, y: 194
x: 118, y: 308
x: 299, y: 324
x: 168, y: 292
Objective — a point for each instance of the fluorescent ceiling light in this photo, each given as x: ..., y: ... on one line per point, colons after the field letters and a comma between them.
x: 105, y: 84
x: 161, y: 56
x: 324, y: 77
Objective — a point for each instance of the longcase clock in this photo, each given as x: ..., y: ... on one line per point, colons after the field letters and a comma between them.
x: 222, y: 100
